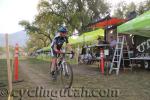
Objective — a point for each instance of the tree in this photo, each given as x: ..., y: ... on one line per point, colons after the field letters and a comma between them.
x: 131, y: 8
x: 33, y: 29
x: 123, y: 10
x: 51, y: 15
x: 75, y: 13
x: 147, y: 5
x: 141, y: 9
x: 144, y: 6
x: 35, y: 42
x: 120, y: 10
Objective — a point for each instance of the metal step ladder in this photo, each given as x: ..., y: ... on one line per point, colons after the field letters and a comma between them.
x: 126, y: 55
x: 120, y: 50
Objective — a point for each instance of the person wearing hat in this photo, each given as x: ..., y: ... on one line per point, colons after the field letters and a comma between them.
x: 56, y: 47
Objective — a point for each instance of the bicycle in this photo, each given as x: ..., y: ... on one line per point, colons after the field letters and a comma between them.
x: 64, y: 69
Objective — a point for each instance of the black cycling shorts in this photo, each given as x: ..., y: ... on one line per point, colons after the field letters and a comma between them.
x: 54, y: 53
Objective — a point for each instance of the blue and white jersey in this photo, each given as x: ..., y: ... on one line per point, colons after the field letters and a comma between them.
x: 58, y: 41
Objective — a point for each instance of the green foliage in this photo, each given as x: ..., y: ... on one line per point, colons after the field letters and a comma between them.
x: 51, y: 15
x: 3, y: 71
x: 123, y: 9
x: 144, y: 6
x: 76, y: 14
x: 44, y: 57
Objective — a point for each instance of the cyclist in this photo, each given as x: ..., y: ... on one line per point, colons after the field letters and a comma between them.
x: 56, y: 47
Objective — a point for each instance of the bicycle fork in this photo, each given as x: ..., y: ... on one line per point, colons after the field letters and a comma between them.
x: 65, y: 68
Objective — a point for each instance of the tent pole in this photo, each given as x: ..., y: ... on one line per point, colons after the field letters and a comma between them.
x: 105, y: 32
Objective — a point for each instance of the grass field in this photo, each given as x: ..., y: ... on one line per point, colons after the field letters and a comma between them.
x: 3, y: 71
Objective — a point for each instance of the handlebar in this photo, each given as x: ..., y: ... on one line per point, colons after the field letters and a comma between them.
x: 72, y: 54
x: 68, y: 53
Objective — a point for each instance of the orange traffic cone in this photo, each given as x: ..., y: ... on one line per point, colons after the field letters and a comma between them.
x: 16, y: 64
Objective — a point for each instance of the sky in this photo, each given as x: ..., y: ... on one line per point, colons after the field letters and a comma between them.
x: 12, y: 11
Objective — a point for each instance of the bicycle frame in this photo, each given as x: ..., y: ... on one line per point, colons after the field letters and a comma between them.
x: 61, y: 64
x: 64, y: 69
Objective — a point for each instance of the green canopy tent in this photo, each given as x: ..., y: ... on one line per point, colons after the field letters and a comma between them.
x: 87, y: 37
x: 138, y: 26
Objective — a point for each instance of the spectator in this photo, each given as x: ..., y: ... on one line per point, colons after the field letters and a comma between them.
x: 83, y: 51
x: 98, y: 48
x: 113, y: 42
x: 99, y: 41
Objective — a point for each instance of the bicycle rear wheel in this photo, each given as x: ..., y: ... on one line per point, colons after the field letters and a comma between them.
x: 66, y: 75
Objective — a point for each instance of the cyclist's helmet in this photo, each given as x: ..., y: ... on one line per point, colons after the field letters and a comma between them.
x: 62, y: 29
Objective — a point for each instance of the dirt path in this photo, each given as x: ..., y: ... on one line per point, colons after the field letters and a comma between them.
x: 132, y: 85
x: 41, y: 79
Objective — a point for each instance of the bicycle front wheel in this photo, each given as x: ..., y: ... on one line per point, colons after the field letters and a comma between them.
x: 66, y: 75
